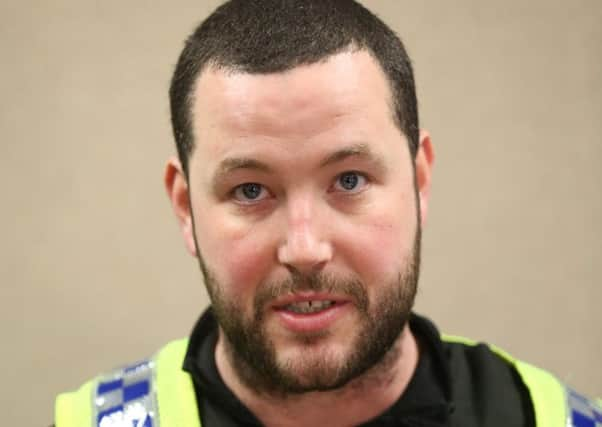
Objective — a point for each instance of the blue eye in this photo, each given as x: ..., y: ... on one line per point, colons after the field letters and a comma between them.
x: 350, y: 181
x: 249, y: 192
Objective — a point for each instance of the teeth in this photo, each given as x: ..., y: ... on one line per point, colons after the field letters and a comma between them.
x: 309, y: 306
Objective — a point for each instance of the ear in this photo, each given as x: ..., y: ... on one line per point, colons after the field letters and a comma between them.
x: 176, y: 185
x: 424, y: 160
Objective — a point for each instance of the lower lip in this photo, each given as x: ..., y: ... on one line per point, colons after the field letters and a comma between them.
x: 313, y: 322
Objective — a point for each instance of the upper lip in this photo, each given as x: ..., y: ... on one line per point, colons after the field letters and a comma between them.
x: 307, y: 296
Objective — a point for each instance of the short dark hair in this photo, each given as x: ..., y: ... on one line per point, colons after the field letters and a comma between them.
x: 268, y: 36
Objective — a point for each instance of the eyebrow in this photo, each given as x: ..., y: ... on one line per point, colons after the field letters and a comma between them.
x: 231, y: 164
x: 362, y: 151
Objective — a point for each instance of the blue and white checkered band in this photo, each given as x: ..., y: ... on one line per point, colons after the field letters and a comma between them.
x: 126, y: 398
x: 582, y: 411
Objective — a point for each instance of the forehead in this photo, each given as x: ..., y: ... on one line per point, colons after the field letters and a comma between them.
x: 346, y: 96
x: 340, y: 84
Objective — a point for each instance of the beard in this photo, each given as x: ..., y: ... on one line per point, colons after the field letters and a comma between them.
x: 254, y: 355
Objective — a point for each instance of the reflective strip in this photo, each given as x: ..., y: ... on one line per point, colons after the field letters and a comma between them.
x: 126, y: 397
x: 582, y: 411
x: 106, y: 401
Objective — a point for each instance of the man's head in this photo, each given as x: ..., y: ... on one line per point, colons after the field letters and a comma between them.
x: 304, y: 189
x: 272, y: 36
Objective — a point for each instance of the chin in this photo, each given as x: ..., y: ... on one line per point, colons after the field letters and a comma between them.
x: 314, y: 364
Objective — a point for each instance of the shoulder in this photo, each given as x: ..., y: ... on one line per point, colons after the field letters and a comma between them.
x: 486, y: 389
x: 128, y: 395
x: 487, y: 380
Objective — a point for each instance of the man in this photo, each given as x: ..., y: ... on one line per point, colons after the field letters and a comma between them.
x: 301, y: 185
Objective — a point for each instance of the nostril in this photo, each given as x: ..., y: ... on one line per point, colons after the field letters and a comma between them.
x: 302, y: 270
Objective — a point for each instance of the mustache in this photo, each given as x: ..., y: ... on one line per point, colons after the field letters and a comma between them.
x: 316, y: 282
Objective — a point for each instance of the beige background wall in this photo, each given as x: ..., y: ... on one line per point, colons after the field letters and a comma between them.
x: 93, y: 270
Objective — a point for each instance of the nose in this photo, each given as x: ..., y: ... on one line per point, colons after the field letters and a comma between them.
x: 305, y: 247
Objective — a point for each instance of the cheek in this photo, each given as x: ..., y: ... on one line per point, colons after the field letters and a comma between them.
x: 383, y: 243
x: 245, y: 263
x: 237, y: 254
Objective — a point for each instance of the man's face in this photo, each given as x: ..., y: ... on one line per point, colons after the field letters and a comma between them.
x: 303, y: 200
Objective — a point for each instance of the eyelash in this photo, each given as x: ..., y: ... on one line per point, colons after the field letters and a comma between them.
x: 240, y: 187
x: 264, y: 189
x: 353, y: 191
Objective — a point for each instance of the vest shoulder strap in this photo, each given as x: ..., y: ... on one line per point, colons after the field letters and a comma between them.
x: 152, y: 393
x: 176, y: 395
x: 554, y: 404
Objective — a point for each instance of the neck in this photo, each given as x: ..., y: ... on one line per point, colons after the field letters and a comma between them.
x: 384, y: 383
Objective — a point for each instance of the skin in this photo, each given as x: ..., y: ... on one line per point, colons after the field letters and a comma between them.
x: 297, y: 124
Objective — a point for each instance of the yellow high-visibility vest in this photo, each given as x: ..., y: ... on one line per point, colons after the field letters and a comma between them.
x: 158, y: 393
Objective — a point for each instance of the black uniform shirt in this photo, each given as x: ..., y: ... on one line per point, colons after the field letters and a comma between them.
x: 453, y: 385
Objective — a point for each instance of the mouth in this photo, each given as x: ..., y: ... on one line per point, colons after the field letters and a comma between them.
x: 310, y: 313
x: 309, y: 307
